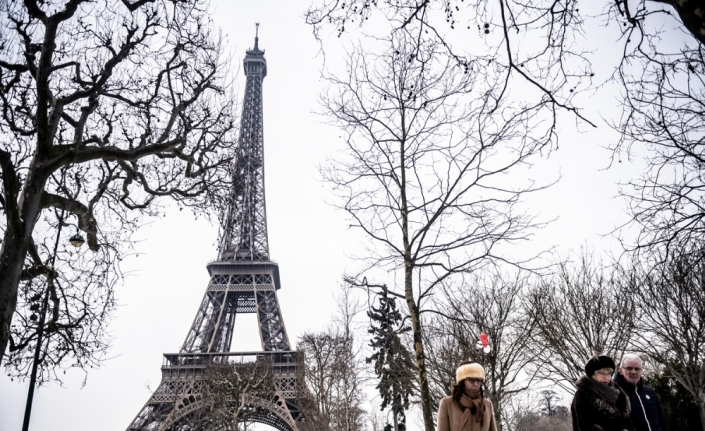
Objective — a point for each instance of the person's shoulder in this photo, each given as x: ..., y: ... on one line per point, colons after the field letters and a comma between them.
x: 583, y: 384
x: 446, y: 400
x: 619, y: 379
x: 584, y: 389
x: 488, y: 403
x: 648, y: 390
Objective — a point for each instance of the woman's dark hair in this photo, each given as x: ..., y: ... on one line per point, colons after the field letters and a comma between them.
x: 457, y: 391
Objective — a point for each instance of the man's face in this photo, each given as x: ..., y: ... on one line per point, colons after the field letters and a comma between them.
x: 631, y: 371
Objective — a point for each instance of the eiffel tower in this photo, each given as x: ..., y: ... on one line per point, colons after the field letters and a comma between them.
x: 243, y: 280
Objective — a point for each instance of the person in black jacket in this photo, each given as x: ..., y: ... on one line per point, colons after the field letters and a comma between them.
x: 599, y: 404
x: 646, y: 408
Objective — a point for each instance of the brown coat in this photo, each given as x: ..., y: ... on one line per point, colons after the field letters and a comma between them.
x: 449, y: 413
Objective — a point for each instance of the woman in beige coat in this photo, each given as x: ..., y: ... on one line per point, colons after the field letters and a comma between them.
x: 467, y: 409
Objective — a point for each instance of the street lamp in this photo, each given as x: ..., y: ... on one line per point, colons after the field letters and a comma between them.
x: 77, y: 241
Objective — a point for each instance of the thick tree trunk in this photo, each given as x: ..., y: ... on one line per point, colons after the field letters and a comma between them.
x: 701, y: 408
x: 12, y: 255
x: 12, y: 258
x: 25, y: 204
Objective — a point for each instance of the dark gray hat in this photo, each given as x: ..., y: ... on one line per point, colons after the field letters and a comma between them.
x: 597, y: 363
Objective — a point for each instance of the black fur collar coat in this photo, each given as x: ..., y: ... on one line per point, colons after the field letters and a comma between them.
x: 600, y: 407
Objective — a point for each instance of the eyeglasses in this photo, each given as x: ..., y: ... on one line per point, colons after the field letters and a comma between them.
x: 604, y: 373
x: 475, y: 381
x: 631, y: 368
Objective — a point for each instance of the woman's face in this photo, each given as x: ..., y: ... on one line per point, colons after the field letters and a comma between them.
x: 603, y: 375
x: 472, y: 384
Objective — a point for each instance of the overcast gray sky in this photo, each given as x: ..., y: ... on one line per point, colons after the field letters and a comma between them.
x: 308, y: 238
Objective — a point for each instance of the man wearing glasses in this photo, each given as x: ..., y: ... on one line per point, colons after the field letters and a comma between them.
x: 646, y: 409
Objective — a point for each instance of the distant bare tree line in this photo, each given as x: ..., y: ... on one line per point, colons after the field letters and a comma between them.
x: 335, y: 370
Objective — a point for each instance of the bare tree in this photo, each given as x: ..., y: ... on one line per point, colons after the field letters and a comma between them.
x: 524, y: 43
x: 445, y: 353
x: 548, y: 399
x: 537, y: 44
x: 555, y: 18
x: 230, y: 390
x: 538, y: 410
x: 663, y: 74
x: 671, y: 329
x: 485, y: 303
x: 427, y: 172
x: 334, y: 377
x: 229, y: 396
x: 334, y: 372
x: 582, y: 309
x: 106, y: 105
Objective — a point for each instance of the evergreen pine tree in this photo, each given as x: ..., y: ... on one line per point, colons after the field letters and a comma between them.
x: 679, y: 407
x: 393, y: 363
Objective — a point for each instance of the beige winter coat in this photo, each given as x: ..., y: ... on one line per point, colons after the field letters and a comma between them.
x: 450, y: 413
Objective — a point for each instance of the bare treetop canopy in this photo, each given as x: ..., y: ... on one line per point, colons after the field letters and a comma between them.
x: 106, y: 106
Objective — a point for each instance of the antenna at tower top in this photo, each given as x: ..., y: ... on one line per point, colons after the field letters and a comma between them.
x: 256, y: 35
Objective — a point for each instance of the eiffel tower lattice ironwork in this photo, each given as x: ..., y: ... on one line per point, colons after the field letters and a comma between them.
x: 243, y: 280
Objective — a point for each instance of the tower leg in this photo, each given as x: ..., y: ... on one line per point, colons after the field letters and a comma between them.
x: 271, y: 325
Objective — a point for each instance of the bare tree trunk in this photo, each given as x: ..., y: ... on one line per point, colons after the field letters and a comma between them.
x: 14, y: 250
x: 426, y: 404
x: 10, y: 270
